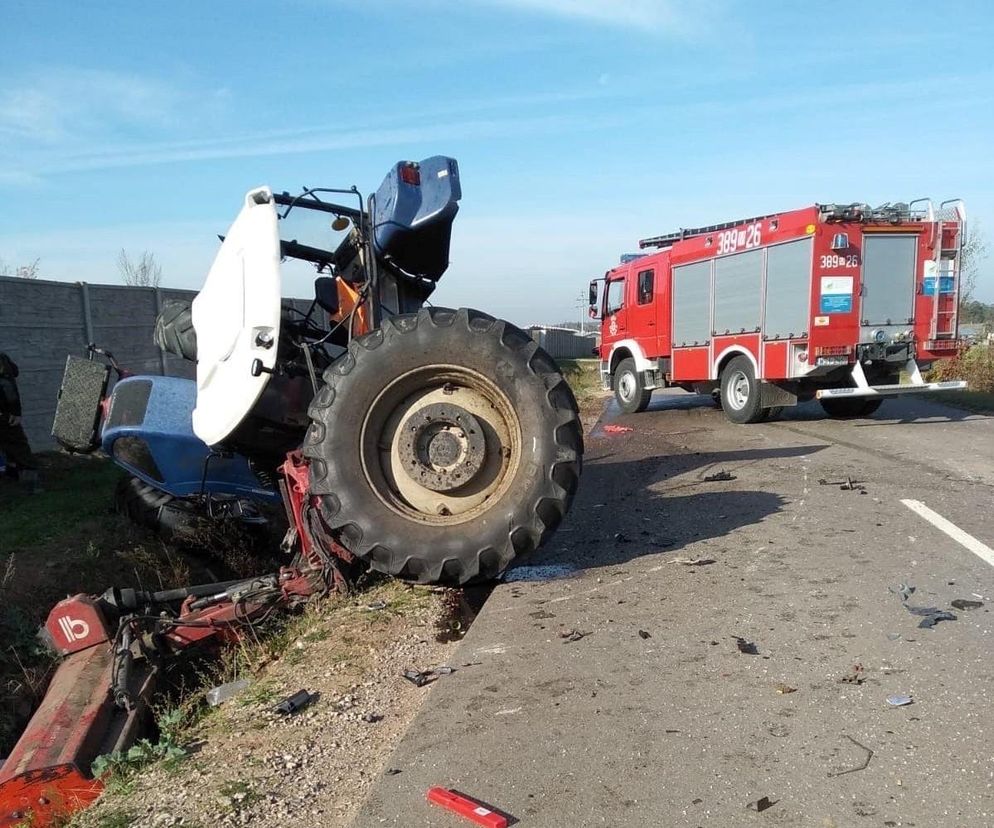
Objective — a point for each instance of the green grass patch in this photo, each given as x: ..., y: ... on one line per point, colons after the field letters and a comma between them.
x: 583, y: 375
x: 980, y: 402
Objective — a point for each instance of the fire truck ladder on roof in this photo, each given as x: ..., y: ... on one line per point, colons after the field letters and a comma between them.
x: 669, y: 239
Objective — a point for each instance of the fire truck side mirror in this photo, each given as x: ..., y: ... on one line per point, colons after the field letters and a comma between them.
x: 592, y: 312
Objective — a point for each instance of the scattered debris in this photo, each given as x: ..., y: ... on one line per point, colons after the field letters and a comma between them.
x: 965, y: 604
x: 762, y: 804
x: 620, y: 537
x: 474, y: 810
x: 298, y: 701
x: 611, y: 428
x: 899, y: 701
x: 893, y: 636
x: 934, y: 617
x: 572, y: 635
x: 644, y: 634
x: 377, y: 605
x: 692, y: 561
x: 847, y: 485
x: 855, y: 676
x: 719, y: 477
x: 419, y: 678
x: 745, y: 647
x: 783, y: 689
x: 372, y: 718
x: 855, y: 769
x: 904, y: 590
x: 393, y: 771
x: 223, y: 692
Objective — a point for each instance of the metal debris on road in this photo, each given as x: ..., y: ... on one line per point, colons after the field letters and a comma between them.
x: 854, y: 676
x: 644, y: 634
x: 419, y: 678
x: 719, y: 477
x: 899, y: 701
x: 762, y: 804
x: 393, y: 771
x: 966, y: 604
x: 292, y: 704
x: 610, y: 428
x: 783, y: 689
x: 572, y: 635
x: 372, y: 718
x: 692, y: 561
x: 857, y: 768
x: 620, y: 537
x: 847, y: 485
x: 745, y: 647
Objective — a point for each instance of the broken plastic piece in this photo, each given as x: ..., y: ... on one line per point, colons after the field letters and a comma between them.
x: 904, y: 590
x: 644, y: 634
x: 784, y: 689
x: 965, y: 604
x: 761, y: 804
x: 862, y: 767
x: 572, y: 635
x: 746, y: 647
x: 377, y: 605
x: 472, y: 809
x: 610, y: 428
x: 223, y: 692
x: 899, y: 701
x: 291, y: 704
x: 934, y: 618
x: 854, y: 676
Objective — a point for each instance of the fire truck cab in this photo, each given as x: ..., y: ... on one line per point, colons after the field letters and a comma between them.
x: 843, y: 303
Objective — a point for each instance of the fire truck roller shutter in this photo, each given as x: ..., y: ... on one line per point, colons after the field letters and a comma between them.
x: 737, y: 291
x: 692, y: 304
x: 788, y: 287
x: 888, y: 281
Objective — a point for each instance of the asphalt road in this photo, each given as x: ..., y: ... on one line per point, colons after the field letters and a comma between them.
x: 654, y: 717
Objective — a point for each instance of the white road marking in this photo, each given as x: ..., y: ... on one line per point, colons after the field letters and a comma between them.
x: 981, y: 550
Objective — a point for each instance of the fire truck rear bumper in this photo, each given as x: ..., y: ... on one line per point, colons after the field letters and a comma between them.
x: 915, y: 385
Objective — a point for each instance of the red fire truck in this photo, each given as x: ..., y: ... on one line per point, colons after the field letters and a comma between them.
x: 832, y: 302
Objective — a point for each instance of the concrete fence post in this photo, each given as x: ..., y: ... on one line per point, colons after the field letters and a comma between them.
x: 87, y: 315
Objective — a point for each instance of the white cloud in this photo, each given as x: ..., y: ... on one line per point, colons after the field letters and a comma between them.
x: 644, y: 15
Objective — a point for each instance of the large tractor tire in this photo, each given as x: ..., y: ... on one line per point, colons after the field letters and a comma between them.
x: 443, y: 445
x: 174, y: 331
x: 628, y: 390
x: 848, y: 408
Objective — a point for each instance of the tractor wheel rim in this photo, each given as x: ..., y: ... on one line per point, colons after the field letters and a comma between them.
x: 738, y: 390
x: 441, y: 444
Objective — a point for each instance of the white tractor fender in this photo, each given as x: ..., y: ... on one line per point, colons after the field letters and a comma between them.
x: 237, y: 319
x: 733, y: 349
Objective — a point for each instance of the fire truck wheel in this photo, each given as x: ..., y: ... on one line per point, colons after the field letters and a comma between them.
x: 841, y: 408
x: 442, y: 446
x: 740, y: 397
x: 628, y: 390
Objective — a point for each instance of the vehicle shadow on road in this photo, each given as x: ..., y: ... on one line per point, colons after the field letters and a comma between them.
x: 625, y: 509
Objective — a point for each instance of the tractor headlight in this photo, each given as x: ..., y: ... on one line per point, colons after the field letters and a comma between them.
x: 879, y: 336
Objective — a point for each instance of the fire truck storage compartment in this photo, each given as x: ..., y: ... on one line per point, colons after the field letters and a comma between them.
x: 738, y: 283
x: 788, y: 286
x: 888, y: 279
x: 692, y: 304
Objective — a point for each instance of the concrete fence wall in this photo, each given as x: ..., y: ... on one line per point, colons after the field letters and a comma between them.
x: 42, y: 322
x: 564, y: 343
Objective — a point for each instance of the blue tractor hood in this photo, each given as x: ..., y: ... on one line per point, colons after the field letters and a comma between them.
x: 149, y: 432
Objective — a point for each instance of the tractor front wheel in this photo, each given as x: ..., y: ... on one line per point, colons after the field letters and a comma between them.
x: 443, y: 445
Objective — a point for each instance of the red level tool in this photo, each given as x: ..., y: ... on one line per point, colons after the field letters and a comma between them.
x: 469, y: 808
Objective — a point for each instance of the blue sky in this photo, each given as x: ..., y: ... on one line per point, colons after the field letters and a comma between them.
x: 579, y: 125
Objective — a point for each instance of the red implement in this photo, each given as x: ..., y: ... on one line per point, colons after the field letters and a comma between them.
x: 464, y: 806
